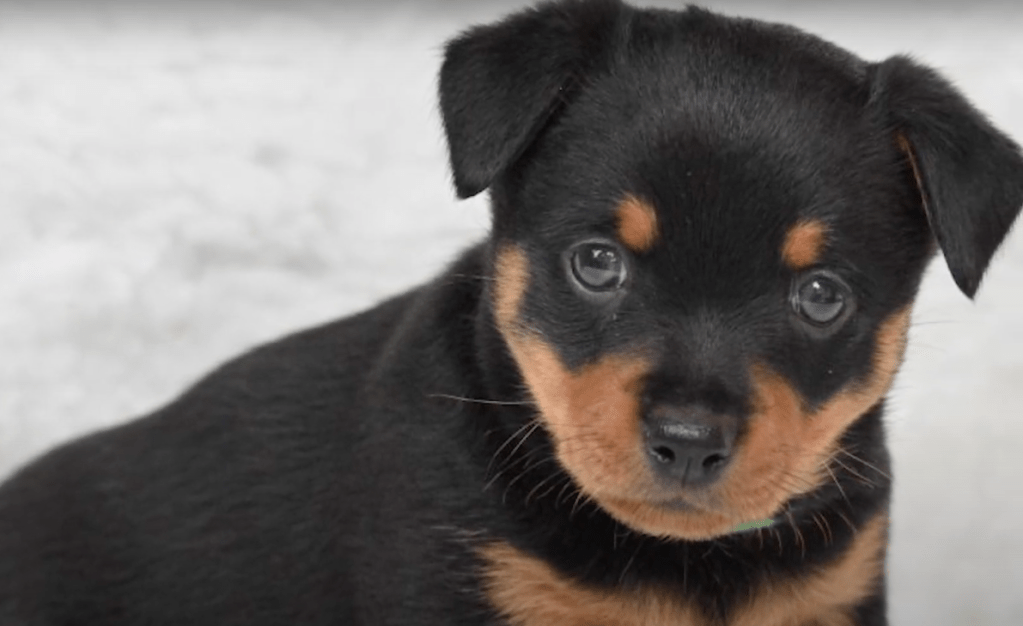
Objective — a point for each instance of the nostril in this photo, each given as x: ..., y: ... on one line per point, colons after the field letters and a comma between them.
x: 714, y: 461
x: 663, y: 454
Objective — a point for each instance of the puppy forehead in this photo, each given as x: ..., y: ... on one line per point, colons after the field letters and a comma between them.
x: 678, y: 115
x: 697, y: 141
x: 741, y: 77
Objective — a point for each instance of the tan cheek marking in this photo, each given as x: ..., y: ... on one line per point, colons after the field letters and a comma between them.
x: 637, y: 224
x: 529, y: 592
x: 760, y: 480
x: 786, y: 451
x: 510, y: 281
x: 832, y: 420
x: 804, y: 244
x: 787, y: 446
x: 592, y: 414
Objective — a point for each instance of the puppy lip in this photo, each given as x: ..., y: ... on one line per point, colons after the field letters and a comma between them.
x: 676, y: 502
x: 679, y: 504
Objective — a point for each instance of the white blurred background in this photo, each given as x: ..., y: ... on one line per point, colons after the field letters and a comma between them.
x: 180, y: 182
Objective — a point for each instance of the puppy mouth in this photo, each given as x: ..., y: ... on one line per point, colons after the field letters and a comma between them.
x: 685, y: 517
x: 689, y: 502
x: 675, y: 497
x: 679, y: 504
x: 738, y: 525
x: 685, y: 506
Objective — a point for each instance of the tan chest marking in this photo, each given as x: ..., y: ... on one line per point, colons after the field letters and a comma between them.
x: 528, y: 592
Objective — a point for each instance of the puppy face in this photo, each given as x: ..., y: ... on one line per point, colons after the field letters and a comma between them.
x: 706, y: 311
x: 705, y: 259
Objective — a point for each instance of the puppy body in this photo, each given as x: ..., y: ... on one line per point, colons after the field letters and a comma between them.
x: 653, y: 396
x: 258, y: 498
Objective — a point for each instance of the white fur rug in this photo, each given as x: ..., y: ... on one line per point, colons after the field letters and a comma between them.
x: 179, y: 184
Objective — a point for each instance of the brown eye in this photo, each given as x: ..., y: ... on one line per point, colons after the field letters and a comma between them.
x: 820, y: 299
x: 598, y: 267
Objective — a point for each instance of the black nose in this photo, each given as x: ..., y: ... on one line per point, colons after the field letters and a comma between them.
x: 689, y: 445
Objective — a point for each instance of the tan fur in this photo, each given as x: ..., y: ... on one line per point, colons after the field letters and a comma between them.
x: 592, y: 414
x: 804, y: 244
x: 786, y: 440
x: 637, y: 224
x: 529, y: 592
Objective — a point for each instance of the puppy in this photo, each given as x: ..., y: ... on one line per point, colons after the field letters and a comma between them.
x: 652, y: 397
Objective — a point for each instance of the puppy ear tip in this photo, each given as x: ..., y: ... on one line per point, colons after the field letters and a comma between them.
x: 465, y: 189
x: 967, y: 283
x: 970, y: 289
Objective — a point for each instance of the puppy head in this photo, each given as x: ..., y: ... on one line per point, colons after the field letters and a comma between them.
x: 708, y: 234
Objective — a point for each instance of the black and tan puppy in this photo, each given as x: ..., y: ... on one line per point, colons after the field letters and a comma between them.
x: 653, y: 397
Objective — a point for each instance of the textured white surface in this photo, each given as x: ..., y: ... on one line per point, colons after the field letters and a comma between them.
x: 177, y: 185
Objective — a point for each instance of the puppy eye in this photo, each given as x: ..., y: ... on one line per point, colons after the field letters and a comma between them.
x: 598, y: 266
x: 821, y: 299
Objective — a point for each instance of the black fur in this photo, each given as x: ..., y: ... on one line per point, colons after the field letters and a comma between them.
x: 347, y: 474
x: 500, y: 84
x: 972, y: 188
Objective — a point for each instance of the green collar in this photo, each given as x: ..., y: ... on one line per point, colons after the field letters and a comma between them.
x: 754, y: 525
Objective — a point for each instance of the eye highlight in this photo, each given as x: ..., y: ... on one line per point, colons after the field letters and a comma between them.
x: 821, y: 299
x: 597, y: 266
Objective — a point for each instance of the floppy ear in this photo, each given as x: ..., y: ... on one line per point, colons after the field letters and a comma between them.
x: 500, y: 83
x: 970, y: 175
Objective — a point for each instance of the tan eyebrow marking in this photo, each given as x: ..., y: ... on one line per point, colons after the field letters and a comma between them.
x: 804, y: 244
x: 637, y: 224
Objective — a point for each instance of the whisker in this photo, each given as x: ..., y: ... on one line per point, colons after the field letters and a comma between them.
x: 862, y: 461
x: 526, y: 470
x: 863, y: 479
x: 473, y: 276
x: 848, y: 521
x: 551, y: 478
x: 628, y: 564
x: 447, y: 396
x: 554, y: 485
x: 581, y: 499
x: 562, y: 495
x: 511, y: 464
x: 825, y: 528
x: 834, y: 479
x: 798, y: 532
x: 526, y: 428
